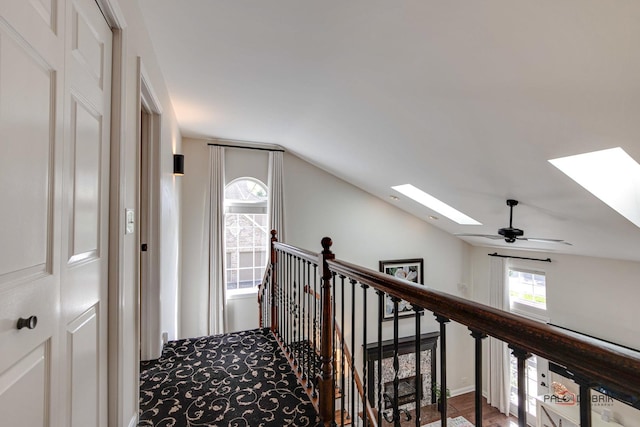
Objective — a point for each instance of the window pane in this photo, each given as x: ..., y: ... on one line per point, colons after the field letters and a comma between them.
x: 528, y: 288
x: 245, y: 190
x: 247, y: 249
x: 260, y: 258
x: 246, y: 275
x: 261, y: 220
x: 232, y: 279
x: 246, y: 259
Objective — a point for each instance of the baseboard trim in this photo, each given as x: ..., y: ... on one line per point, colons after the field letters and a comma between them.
x: 463, y: 390
x: 134, y: 421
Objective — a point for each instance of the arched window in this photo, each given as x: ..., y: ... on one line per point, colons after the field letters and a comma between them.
x: 246, y: 233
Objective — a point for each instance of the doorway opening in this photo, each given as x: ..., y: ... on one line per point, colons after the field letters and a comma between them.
x: 148, y: 191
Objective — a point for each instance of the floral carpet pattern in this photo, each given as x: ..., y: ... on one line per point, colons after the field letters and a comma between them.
x: 238, y: 379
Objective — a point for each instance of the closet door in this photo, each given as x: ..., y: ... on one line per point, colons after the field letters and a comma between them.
x: 55, y: 90
x: 31, y: 148
x: 85, y: 213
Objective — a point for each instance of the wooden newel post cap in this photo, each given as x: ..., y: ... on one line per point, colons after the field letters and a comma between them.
x: 273, y: 234
x: 326, y: 244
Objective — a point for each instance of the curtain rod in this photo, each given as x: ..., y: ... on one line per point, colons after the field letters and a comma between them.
x: 520, y: 257
x: 245, y: 148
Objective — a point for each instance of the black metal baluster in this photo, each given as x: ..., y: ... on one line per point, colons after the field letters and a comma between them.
x: 396, y: 364
x: 342, y: 329
x: 290, y: 304
x: 364, y: 354
x: 279, y: 293
x: 353, y: 346
x: 478, y: 337
x: 585, y: 400
x: 521, y: 356
x: 419, y: 386
x: 443, y: 368
x: 379, y: 364
x: 308, y: 321
x: 320, y: 326
x: 294, y: 310
x: 289, y: 299
x: 287, y: 308
x: 282, y: 290
x: 300, y: 312
x: 314, y: 363
x: 334, y: 338
x: 303, y: 325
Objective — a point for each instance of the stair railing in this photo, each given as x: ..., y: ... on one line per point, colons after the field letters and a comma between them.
x: 305, y: 326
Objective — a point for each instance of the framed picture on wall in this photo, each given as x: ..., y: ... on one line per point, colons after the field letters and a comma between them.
x: 407, y: 269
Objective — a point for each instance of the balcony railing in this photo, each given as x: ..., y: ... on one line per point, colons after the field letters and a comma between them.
x: 306, y: 297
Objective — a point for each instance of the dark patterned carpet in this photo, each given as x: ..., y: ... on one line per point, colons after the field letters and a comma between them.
x: 238, y: 379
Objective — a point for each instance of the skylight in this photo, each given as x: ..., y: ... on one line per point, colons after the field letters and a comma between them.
x: 435, y: 204
x: 610, y: 175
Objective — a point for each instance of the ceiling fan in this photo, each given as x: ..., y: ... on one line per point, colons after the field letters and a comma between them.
x: 511, y: 234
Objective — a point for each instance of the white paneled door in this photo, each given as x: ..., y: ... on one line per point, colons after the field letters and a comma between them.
x: 55, y: 76
x: 85, y: 218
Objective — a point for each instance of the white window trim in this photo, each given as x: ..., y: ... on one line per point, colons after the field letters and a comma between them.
x: 245, y: 293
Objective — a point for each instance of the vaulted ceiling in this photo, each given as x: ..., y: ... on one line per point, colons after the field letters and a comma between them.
x: 467, y: 100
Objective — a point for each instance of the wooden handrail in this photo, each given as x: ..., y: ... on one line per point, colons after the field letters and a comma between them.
x: 312, y: 257
x: 596, y: 361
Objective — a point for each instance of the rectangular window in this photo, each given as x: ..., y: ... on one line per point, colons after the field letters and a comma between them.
x: 246, y: 241
x: 527, y: 287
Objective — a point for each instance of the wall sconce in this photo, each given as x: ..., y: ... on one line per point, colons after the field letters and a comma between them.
x: 178, y: 164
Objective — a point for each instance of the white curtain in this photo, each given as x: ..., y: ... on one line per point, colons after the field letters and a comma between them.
x: 276, y: 194
x: 498, y: 375
x: 217, y: 283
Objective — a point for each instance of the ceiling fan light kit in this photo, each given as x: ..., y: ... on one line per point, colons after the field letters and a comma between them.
x: 511, y: 234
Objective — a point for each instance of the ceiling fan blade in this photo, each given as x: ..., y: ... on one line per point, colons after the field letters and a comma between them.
x: 541, y: 240
x: 488, y: 236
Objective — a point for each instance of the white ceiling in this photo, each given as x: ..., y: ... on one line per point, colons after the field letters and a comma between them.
x: 466, y: 100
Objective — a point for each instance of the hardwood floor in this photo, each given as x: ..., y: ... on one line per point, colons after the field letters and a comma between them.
x: 463, y: 405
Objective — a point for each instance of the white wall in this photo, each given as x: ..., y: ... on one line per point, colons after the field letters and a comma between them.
x: 364, y: 230
x: 125, y: 250
x: 595, y: 296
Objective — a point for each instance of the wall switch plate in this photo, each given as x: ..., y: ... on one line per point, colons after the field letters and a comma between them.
x: 129, y: 221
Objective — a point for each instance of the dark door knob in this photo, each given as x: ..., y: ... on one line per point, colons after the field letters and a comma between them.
x: 29, y: 323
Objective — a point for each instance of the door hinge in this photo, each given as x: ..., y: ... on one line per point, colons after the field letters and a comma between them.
x: 143, y: 247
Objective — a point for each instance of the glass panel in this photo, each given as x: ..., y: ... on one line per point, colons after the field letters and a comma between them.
x: 528, y: 288
x: 247, y: 245
x: 260, y: 257
x: 246, y: 259
x: 531, y: 382
x: 232, y: 279
x: 245, y: 190
x: 246, y: 276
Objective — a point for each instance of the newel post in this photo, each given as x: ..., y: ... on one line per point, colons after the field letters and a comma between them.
x: 326, y: 403
x: 274, y: 283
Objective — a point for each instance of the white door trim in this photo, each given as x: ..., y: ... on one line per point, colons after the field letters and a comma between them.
x: 116, y: 301
x: 150, y: 335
